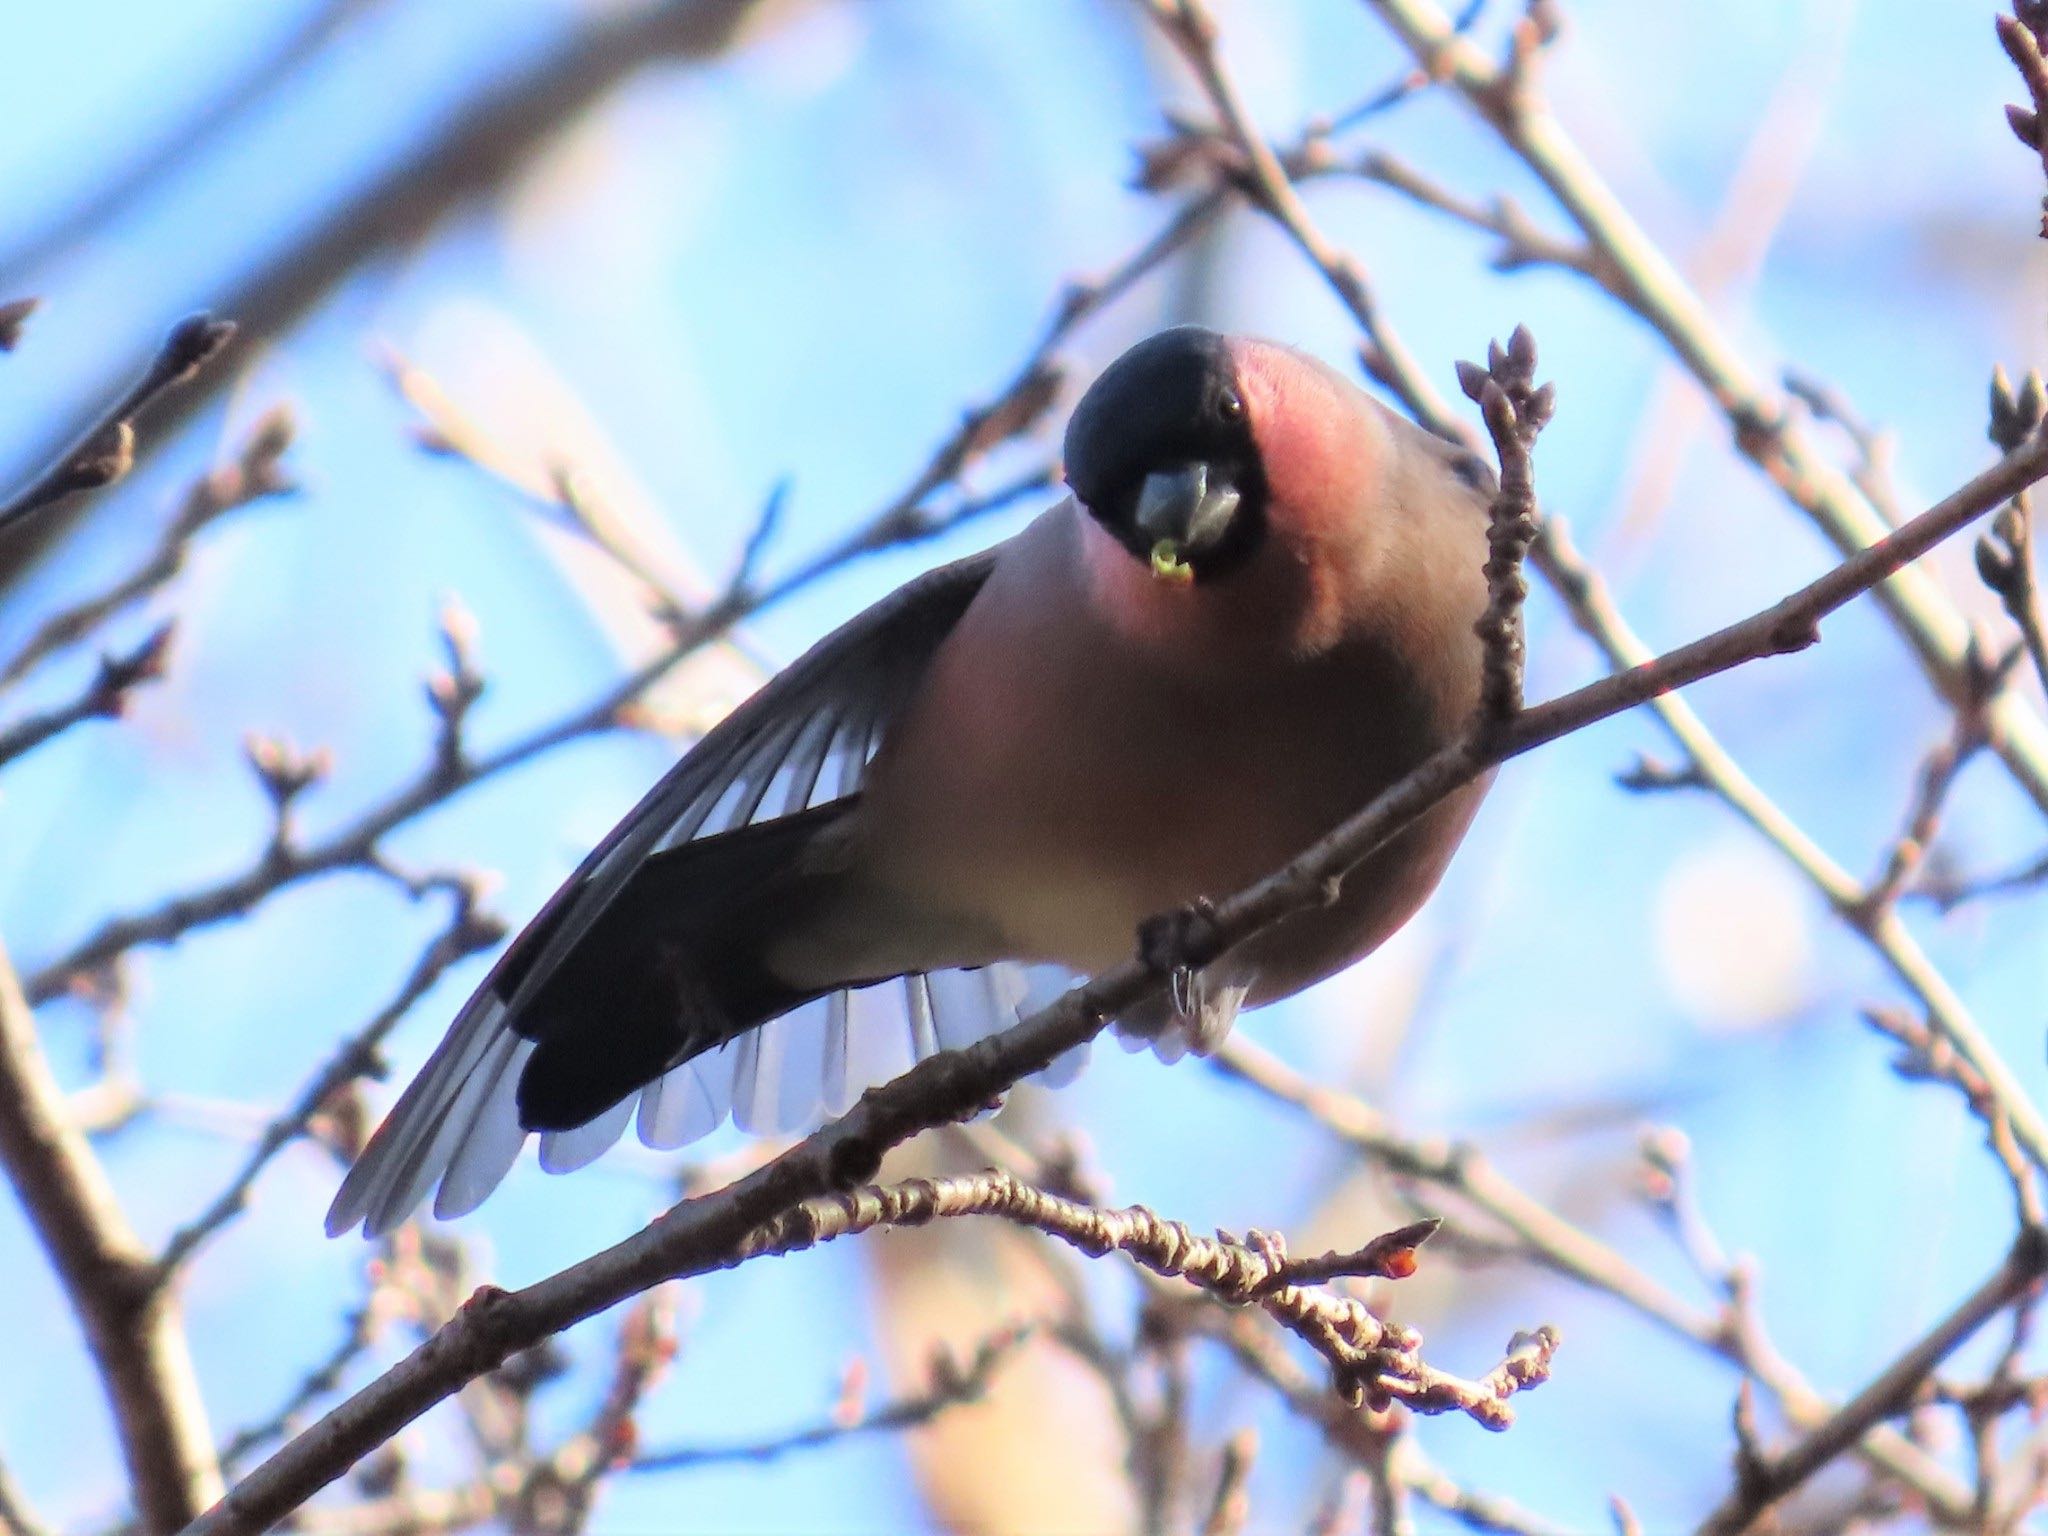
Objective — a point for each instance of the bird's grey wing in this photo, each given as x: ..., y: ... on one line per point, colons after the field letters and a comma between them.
x: 806, y: 738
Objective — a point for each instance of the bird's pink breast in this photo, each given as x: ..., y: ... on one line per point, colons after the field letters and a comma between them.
x: 1079, y: 760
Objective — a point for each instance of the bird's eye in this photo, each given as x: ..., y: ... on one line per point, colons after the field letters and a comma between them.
x: 1230, y: 405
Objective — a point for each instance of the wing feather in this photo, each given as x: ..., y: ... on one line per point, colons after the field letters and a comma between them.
x: 838, y: 699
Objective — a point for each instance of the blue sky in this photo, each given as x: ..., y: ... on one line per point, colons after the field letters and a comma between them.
x: 800, y: 265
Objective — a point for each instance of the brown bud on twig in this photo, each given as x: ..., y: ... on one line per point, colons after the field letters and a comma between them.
x: 13, y: 316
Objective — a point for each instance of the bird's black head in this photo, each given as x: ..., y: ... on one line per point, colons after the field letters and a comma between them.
x: 1161, y: 452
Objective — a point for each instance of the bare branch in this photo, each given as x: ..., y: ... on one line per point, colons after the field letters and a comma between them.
x: 1765, y: 1481
x: 105, y: 697
x: 255, y: 473
x: 952, y: 1382
x: 1565, y: 1249
x: 132, y: 1328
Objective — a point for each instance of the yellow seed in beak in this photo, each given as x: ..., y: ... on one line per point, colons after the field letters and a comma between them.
x: 1167, y: 564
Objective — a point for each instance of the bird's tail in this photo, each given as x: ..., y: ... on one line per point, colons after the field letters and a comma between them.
x: 582, y: 1010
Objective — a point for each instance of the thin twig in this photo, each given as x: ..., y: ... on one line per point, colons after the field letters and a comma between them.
x: 179, y: 144
x: 104, y: 697
x: 469, y: 930
x: 106, y: 450
x: 255, y: 473
x: 1515, y: 410
x: 1769, y: 1479
x: 953, y: 1382
x: 1524, y: 243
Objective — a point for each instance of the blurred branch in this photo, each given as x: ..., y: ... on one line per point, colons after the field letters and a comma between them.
x: 16, y: 1518
x: 105, y: 697
x: 105, y: 450
x: 14, y: 316
x: 255, y: 474
x: 445, y: 429
x: 561, y: 1496
x: 1230, y: 1506
x: 468, y: 931
x: 1524, y: 243
x: 2005, y: 555
x: 133, y: 1328
x: 1762, y: 1483
x: 1948, y: 891
x: 358, y: 1333
x: 1871, y: 469
x: 475, y: 150
x: 953, y: 1382
x: 1557, y: 1244
x: 716, y: 1230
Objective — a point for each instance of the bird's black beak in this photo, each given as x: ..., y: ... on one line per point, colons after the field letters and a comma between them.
x: 1182, y: 514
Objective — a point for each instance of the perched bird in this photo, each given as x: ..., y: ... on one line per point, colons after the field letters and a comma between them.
x: 1253, y: 614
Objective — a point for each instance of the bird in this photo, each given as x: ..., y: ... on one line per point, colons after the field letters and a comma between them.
x: 1254, y: 611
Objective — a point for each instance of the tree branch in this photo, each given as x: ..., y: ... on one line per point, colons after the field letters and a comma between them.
x: 105, y: 451
x: 132, y: 1327
x: 1762, y: 1483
